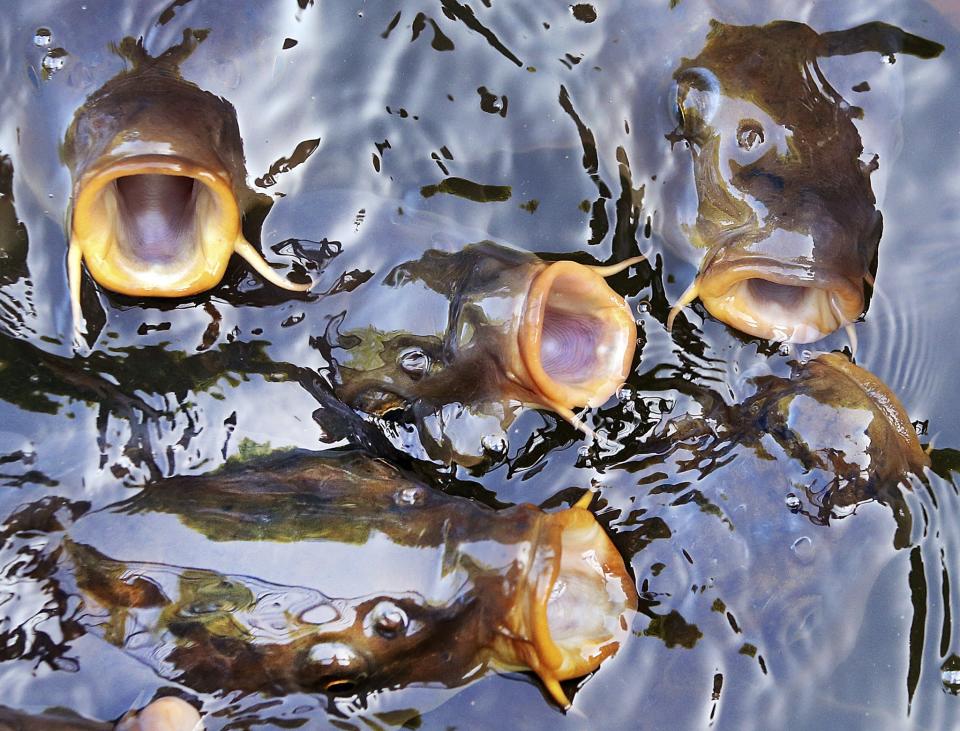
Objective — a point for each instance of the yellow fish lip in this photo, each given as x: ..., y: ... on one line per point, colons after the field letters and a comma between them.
x: 570, y: 311
x: 97, y: 229
x: 575, y: 603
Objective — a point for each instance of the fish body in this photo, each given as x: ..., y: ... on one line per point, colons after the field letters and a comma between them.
x: 455, y: 589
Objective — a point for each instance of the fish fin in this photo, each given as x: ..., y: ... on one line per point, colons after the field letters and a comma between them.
x: 256, y: 260
x: 75, y: 278
x: 609, y: 271
x: 693, y: 291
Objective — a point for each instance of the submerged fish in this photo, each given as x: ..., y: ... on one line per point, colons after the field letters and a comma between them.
x: 441, y: 587
x: 843, y: 425
x: 489, y: 324
x: 159, y: 184
x: 786, y: 215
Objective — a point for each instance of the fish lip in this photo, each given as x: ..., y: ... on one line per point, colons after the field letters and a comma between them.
x: 575, y: 533
x: 832, y: 300
x: 219, y: 230
x: 600, y: 303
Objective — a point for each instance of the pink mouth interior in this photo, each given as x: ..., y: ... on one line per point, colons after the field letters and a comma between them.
x: 568, y: 346
x: 157, y: 212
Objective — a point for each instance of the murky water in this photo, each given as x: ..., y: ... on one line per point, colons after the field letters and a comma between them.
x: 772, y: 594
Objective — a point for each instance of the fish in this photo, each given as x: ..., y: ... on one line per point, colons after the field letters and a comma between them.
x: 455, y: 589
x: 164, y: 714
x: 786, y: 216
x: 159, y: 183
x: 843, y: 425
x: 489, y: 324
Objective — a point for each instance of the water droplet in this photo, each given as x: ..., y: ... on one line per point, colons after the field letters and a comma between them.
x: 792, y: 501
x: 42, y: 37
x: 803, y: 549
x: 410, y: 495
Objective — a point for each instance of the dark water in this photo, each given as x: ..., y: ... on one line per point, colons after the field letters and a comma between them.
x: 755, y: 613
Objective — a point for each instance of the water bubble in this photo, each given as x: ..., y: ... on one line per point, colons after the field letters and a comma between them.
x: 792, y: 501
x: 643, y: 307
x: 803, y: 549
x: 42, y: 37
x: 55, y: 60
x: 625, y: 393
x: 785, y: 349
x: 950, y: 674
x: 411, y: 495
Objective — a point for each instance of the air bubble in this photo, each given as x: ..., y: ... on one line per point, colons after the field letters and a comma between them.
x: 803, y: 548
x: 643, y: 307
x: 42, y: 37
x: 792, y: 501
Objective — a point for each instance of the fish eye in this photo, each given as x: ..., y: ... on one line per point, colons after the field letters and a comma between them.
x: 414, y: 362
x: 697, y: 96
x: 749, y: 134
x: 388, y: 620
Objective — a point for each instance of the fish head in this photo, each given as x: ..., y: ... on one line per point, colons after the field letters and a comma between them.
x: 159, y: 183
x: 574, y: 606
x: 786, y: 212
x: 514, y: 328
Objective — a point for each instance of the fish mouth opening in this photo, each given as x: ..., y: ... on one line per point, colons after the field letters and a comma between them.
x: 156, y: 226
x: 577, y: 336
x: 781, y: 307
x: 577, y: 602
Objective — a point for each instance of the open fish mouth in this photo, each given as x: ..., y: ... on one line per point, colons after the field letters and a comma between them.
x: 158, y: 226
x: 770, y: 300
x: 576, y: 603
x: 577, y: 336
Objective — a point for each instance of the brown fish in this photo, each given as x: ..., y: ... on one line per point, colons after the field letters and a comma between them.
x: 159, y: 184
x: 470, y: 588
x: 490, y: 324
x: 786, y: 213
